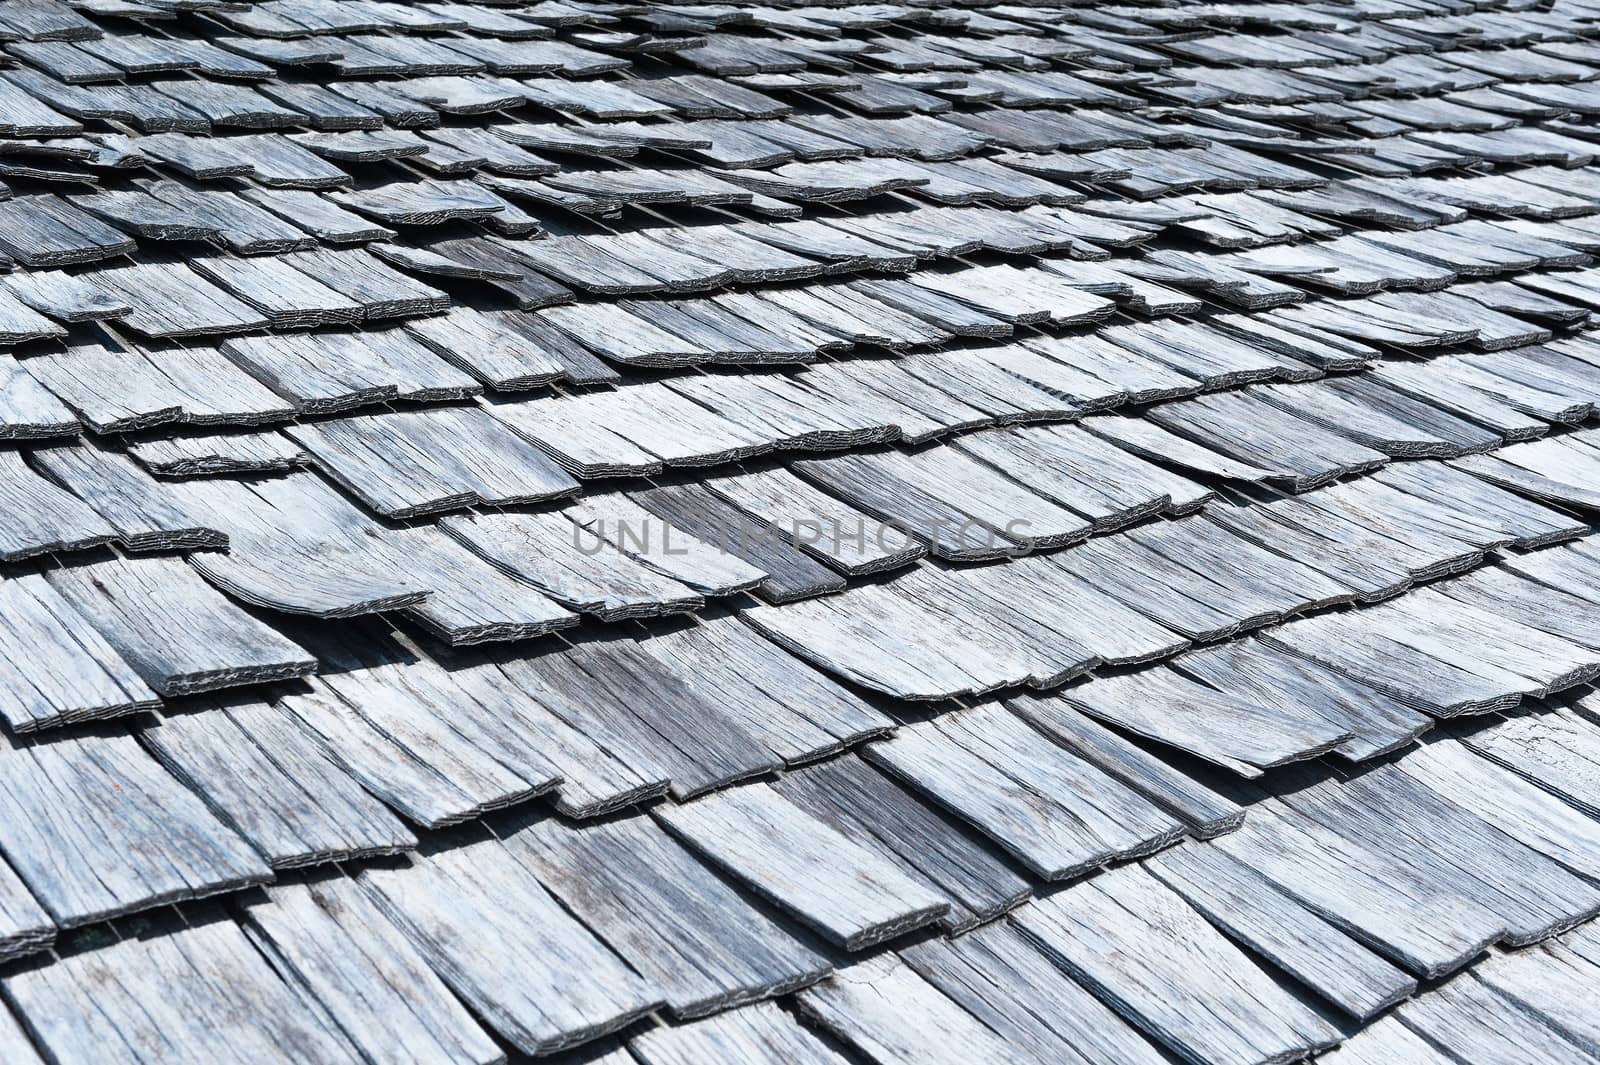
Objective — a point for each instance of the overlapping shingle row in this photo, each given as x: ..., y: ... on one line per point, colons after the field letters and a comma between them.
x: 659, y: 534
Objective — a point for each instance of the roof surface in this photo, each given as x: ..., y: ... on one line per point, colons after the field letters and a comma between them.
x: 840, y: 535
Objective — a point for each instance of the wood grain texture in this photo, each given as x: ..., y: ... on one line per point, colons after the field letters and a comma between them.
x: 174, y: 629
x: 441, y: 747
x: 573, y: 565
x: 296, y: 545
x: 96, y: 828
x: 707, y: 568
x: 327, y: 372
x: 796, y: 712
x: 528, y: 968
x: 1143, y: 948
x: 1056, y: 813
x: 270, y: 782
x: 56, y: 668
x: 144, y: 515
x: 141, y: 997
x: 408, y: 464
x: 1376, y: 896
x: 1455, y: 849
x: 1250, y: 910
x: 853, y: 896
x: 360, y: 968
x: 1001, y: 977
x: 1243, y: 735
x: 625, y: 703
x: 889, y: 1013
x: 692, y: 937
x: 817, y: 523
x: 885, y: 816
x: 762, y: 1034
x: 1205, y: 811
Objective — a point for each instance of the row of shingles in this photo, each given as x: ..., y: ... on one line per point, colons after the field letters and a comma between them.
x: 1510, y: 1005
x: 232, y: 207
x: 498, y: 499
x: 908, y: 147
x: 369, y: 959
x: 1448, y: 427
x: 1579, y: 71
x: 1347, y: 513
x: 421, y: 69
x: 874, y: 1033
x: 194, y: 104
x: 1524, y: 377
x: 1362, y: 502
x: 1285, y: 705
x: 397, y: 509
x: 141, y: 504
x: 1327, y: 199
x: 254, y: 770
x: 407, y: 366
x: 1281, y: 931
x: 154, y: 379
x: 1180, y: 272
x: 1468, y: 59
x: 1266, y: 888
x: 281, y: 775
x: 313, y: 928
x: 1244, y: 1012
x: 1000, y: 993
x: 1002, y: 123
x: 135, y: 493
x: 135, y: 218
x: 454, y: 905
x: 779, y: 849
x: 1374, y: 191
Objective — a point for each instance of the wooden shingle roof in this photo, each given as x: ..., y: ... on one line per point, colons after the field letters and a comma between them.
x: 826, y: 533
